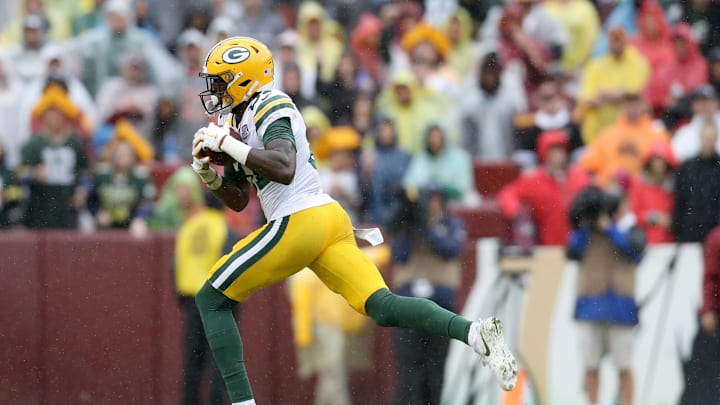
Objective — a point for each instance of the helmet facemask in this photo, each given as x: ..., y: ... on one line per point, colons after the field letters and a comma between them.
x: 216, y: 98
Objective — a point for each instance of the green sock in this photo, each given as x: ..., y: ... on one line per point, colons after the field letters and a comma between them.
x: 388, y: 309
x: 216, y: 311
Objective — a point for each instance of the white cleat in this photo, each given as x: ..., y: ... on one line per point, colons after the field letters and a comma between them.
x: 493, y: 350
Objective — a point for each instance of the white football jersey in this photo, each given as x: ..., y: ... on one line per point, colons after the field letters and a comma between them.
x: 278, y: 200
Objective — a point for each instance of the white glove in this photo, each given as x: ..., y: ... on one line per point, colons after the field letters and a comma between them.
x: 211, y: 137
x: 207, y: 174
x: 198, y: 146
x: 216, y: 138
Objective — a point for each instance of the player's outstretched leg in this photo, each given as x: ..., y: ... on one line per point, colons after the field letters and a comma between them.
x: 484, y: 336
x: 216, y: 311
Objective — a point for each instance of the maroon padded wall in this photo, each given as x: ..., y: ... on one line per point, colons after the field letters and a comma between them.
x: 21, y: 319
x: 93, y: 319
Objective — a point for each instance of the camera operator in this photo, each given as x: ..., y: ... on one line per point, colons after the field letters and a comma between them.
x: 426, y: 243
x: 608, y: 245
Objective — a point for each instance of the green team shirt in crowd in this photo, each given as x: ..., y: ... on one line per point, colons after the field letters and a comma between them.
x: 121, y: 195
x: 49, y: 204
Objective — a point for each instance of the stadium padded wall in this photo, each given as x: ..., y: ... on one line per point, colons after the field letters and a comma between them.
x: 94, y: 319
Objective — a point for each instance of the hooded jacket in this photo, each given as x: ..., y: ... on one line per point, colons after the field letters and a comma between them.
x: 462, y: 54
x: 450, y: 170
x: 412, y: 120
x: 391, y: 164
x: 656, y: 49
x: 581, y: 20
x: 548, y: 195
x: 628, y: 73
x: 442, y: 79
x: 365, y: 44
x: 677, y: 77
x: 488, y: 116
x: 315, y: 118
x: 621, y: 148
x: 169, y: 214
x: 647, y: 200
x: 329, y: 45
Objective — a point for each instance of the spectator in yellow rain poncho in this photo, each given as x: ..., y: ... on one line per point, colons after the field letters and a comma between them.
x: 330, y: 337
x: 605, y: 81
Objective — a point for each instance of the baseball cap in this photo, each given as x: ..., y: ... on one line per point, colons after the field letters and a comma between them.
x: 288, y: 38
x: 34, y: 21
x: 705, y: 91
x: 53, y: 51
x: 221, y: 25
x: 121, y: 7
x: 133, y: 59
x: 191, y: 36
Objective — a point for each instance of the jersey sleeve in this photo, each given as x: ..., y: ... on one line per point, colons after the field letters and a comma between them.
x: 281, y: 128
x: 270, y: 108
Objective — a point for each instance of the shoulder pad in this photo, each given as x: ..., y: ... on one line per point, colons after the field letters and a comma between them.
x: 268, y: 104
x: 265, y: 97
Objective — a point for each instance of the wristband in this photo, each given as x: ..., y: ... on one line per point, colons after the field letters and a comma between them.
x: 236, y: 149
x: 215, y: 183
x: 207, y: 175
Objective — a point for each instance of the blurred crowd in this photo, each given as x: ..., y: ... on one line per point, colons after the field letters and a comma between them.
x: 398, y: 96
x: 98, y: 98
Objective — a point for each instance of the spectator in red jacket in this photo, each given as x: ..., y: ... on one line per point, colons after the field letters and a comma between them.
x: 654, y: 42
x: 547, y: 190
x: 651, y: 194
x: 688, y: 70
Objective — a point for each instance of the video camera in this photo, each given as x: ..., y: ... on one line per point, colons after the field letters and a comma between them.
x: 590, y: 204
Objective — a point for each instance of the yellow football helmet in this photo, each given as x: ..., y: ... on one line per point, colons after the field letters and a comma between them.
x: 235, y: 69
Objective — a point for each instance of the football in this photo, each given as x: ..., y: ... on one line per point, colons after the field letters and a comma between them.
x: 222, y: 158
x: 217, y: 158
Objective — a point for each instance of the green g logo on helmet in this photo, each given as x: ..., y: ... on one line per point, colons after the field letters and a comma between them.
x: 235, y: 54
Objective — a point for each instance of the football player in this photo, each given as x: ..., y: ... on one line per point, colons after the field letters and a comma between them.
x: 261, y: 138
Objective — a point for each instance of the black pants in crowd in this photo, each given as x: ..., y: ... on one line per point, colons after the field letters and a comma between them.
x: 197, y: 357
x: 702, y: 371
x: 420, y: 358
x: 421, y: 366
